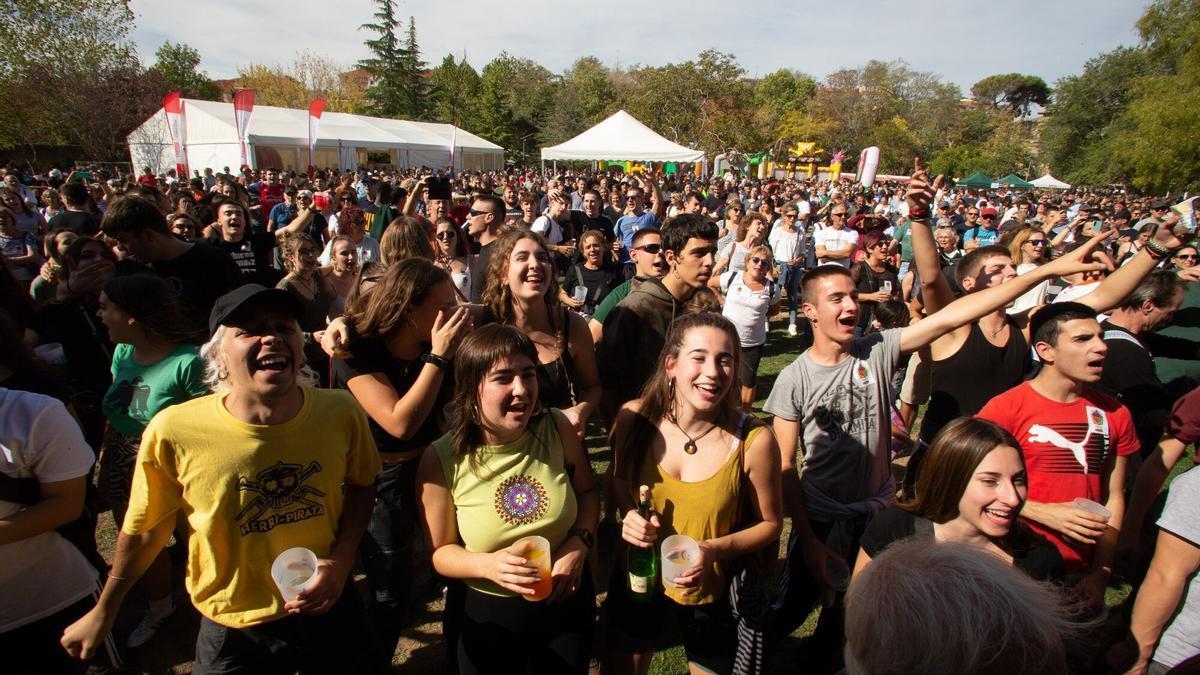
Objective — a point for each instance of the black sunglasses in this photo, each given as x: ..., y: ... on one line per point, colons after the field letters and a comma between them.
x: 652, y: 249
x: 446, y: 234
x: 1191, y: 256
x: 1037, y: 242
x: 759, y: 261
x: 838, y: 215
x: 475, y: 212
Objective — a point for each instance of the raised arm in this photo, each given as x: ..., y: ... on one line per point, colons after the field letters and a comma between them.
x: 935, y: 289
x: 976, y: 305
x: 1121, y: 283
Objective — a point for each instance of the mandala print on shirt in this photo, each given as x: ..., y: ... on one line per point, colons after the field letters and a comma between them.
x: 521, y: 500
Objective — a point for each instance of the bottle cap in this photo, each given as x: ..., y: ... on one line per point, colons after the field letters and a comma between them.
x: 644, y: 493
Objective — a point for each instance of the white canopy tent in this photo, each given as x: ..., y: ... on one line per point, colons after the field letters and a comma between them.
x: 279, y: 138
x: 1050, y: 182
x: 620, y: 138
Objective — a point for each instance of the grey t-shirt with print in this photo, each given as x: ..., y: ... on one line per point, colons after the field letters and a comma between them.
x: 844, y: 413
x: 1181, y: 517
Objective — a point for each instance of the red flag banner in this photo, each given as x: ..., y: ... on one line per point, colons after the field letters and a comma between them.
x: 243, y: 107
x: 314, y: 121
x: 177, y: 126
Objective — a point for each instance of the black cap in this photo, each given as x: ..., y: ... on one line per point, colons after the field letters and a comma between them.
x: 290, y: 190
x: 1160, y: 204
x: 229, y: 304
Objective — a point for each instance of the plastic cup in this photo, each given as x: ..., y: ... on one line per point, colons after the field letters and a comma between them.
x: 1092, y: 507
x: 292, y: 571
x: 579, y: 293
x: 51, y: 354
x: 536, y: 550
x: 679, y: 552
x: 838, y: 576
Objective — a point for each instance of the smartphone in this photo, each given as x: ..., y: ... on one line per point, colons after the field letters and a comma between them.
x: 437, y: 187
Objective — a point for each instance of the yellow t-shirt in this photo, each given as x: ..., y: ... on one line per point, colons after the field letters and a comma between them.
x: 249, y: 492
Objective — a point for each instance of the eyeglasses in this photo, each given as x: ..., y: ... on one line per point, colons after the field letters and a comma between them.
x: 789, y: 215
x: 1037, y: 242
x: 652, y: 249
x: 633, y: 196
x: 476, y: 212
x: 972, y: 213
x: 759, y: 261
x: 1190, y: 256
x: 989, y: 217
x: 838, y: 215
x: 307, y: 251
x: 446, y: 234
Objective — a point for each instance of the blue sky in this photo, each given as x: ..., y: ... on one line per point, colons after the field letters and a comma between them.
x: 960, y: 41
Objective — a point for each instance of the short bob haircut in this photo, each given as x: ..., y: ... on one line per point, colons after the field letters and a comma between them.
x: 953, y: 608
x: 949, y: 464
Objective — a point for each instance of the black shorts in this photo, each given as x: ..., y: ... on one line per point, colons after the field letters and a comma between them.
x: 338, y: 641
x: 708, y: 632
x: 750, y: 358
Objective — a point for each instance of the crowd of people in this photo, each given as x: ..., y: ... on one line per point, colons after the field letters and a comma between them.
x: 387, y: 365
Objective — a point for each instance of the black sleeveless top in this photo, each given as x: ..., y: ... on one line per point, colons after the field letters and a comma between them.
x: 965, y: 382
x: 555, y: 378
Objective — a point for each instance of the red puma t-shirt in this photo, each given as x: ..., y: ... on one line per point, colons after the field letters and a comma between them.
x: 1068, y: 448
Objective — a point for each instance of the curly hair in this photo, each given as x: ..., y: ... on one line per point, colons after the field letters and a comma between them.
x: 497, y: 295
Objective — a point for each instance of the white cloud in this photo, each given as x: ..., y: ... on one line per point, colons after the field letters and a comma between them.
x: 960, y: 41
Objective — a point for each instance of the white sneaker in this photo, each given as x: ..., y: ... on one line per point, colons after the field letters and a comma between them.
x: 791, y: 329
x: 150, y: 624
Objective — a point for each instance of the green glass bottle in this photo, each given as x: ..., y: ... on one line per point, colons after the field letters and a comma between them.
x: 643, y: 563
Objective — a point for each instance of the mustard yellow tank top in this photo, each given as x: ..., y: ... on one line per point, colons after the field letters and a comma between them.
x: 704, y: 509
x: 516, y: 490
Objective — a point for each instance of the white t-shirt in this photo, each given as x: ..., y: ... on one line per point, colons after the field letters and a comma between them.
x: 746, y: 308
x: 548, y: 228
x: 1031, y: 298
x: 833, y: 239
x: 43, y: 574
x: 1074, y: 293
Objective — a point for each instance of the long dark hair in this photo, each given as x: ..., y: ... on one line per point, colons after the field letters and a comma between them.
x: 477, y: 354
x: 151, y: 300
x: 402, y: 286
x: 658, y: 394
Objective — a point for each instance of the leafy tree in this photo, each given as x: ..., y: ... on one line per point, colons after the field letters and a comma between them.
x: 583, y: 97
x: 177, y: 65
x: 783, y: 91
x: 70, y: 76
x: 454, y: 92
x: 495, y: 116
x: 1015, y: 91
x: 397, y: 88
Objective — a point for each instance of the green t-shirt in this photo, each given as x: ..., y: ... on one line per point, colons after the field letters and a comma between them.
x: 903, y: 234
x: 614, y: 296
x: 138, y: 392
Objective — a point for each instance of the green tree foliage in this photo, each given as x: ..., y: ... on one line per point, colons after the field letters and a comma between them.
x: 397, y: 88
x: 1014, y: 91
x: 454, y: 92
x: 583, y: 97
x: 70, y: 76
x: 516, y: 96
x: 177, y: 65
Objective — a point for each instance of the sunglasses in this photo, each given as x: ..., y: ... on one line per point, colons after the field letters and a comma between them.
x: 447, y: 234
x: 1186, y: 256
x: 652, y: 249
x: 972, y: 213
x: 475, y: 212
x: 759, y: 261
x: 989, y: 217
x: 1037, y: 242
x: 307, y: 251
x: 838, y: 215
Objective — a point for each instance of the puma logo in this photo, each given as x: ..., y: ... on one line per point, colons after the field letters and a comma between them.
x: 1041, y: 434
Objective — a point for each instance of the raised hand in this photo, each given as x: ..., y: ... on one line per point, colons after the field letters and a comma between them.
x: 920, y: 189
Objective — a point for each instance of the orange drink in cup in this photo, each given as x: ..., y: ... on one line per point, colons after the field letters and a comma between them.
x: 536, y: 550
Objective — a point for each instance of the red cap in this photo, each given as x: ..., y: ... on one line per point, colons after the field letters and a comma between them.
x: 987, y: 211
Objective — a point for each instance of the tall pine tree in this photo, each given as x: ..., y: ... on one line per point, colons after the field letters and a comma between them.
x: 397, y: 88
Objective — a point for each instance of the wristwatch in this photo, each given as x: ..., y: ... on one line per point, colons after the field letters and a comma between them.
x: 585, y: 535
x: 436, y: 360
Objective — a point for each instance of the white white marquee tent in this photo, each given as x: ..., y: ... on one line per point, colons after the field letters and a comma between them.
x: 621, y: 138
x: 1050, y: 182
x: 278, y: 137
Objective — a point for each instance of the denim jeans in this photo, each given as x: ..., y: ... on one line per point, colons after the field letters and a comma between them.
x: 789, y: 280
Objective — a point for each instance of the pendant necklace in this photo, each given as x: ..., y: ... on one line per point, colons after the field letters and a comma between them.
x: 690, y: 447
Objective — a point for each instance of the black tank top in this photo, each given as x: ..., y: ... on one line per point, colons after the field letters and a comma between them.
x: 555, y: 379
x: 965, y: 382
